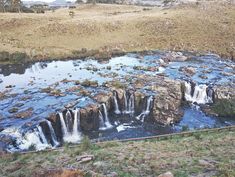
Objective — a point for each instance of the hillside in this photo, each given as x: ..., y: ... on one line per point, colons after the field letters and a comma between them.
x: 107, y: 28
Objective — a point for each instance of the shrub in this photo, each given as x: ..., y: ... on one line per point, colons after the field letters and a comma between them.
x: 18, y: 57
x: 185, y: 128
x: 4, y: 56
x: 86, y: 143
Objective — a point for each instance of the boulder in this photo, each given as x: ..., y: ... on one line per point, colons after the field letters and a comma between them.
x: 89, y: 118
x: 189, y: 71
x: 167, y: 104
x: 167, y: 174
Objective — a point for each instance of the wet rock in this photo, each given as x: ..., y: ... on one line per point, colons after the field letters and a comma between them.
x: 167, y: 104
x: 25, y: 114
x: 167, y: 174
x: 74, y: 89
x: 104, y: 98
x: 52, y: 91
x: 71, y: 104
x: 84, y: 92
x: 13, y: 110
x: 189, y: 71
x: 203, y: 76
x: 227, y: 74
x: 139, y: 102
x: 88, y: 83
x: 6, y: 140
x: 19, y: 105
x: 10, y: 86
x: 89, y: 117
x: 1, y: 80
x: 175, y: 56
x: 56, y: 124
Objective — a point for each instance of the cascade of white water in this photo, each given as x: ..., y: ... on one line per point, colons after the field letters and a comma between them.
x: 199, y: 96
x: 52, y: 132
x: 131, y: 105
x: 104, y: 119
x: 63, y: 125
x: 125, y: 103
x: 101, y: 121
x: 146, y: 111
x: 117, y: 111
x: 75, y: 136
x: 149, y: 101
x: 41, y: 134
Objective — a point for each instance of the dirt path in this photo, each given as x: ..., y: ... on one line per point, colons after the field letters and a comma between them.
x: 106, y: 28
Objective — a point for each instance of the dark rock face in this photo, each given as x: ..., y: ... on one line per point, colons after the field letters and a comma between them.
x: 140, y: 102
x: 224, y: 101
x: 56, y: 124
x: 89, y: 118
x: 167, y: 103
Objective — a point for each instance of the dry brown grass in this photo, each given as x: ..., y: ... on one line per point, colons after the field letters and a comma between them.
x: 208, y: 27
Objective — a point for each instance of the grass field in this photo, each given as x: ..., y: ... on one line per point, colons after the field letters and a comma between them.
x: 202, y: 154
x: 105, y: 28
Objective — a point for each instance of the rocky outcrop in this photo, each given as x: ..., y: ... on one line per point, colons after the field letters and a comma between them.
x: 168, y: 100
x: 89, y: 117
x: 224, y: 92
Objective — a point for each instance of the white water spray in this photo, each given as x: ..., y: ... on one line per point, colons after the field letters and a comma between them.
x: 53, y: 135
x: 75, y: 136
x: 104, y: 119
x: 199, y: 95
x: 146, y: 111
x: 117, y: 110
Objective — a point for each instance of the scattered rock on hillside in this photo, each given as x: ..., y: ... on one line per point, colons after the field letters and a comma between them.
x: 167, y: 174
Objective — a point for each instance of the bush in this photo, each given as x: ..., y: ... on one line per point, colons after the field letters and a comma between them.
x: 185, y: 128
x: 4, y: 56
x: 18, y: 57
x: 224, y: 108
x: 86, y: 143
x: 32, y: 147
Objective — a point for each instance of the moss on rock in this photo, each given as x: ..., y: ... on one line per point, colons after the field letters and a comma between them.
x: 225, y: 108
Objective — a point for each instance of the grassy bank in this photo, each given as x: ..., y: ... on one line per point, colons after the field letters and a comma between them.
x: 102, y: 30
x: 205, y: 154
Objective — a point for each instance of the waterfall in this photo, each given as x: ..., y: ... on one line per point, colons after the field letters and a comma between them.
x: 125, y: 102
x: 104, y: 119
x: 117, y: 111
x: 63, y: 125
x: 74, y: 136
x: 69, y: 121
x: 101, y: 121
x: 146, y: 110
x: 52, y: 132
x: 129, y: 104
x: 149, y: 101
x: 199, y: 95
x: 41, y: 135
